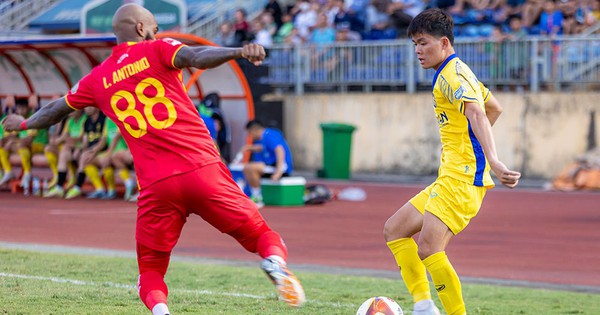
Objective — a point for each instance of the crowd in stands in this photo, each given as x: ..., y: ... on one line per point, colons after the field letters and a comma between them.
x: 327, y: 21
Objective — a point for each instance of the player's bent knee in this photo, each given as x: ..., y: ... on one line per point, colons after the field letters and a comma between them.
x: 249, y: 232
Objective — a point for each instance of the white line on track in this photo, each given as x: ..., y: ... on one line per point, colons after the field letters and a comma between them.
x: 88, y: 212
x: 133, y: 287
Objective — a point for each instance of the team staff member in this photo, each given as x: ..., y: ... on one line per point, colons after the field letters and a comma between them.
x: 177, y: 165
x: 271, y: 156
x: 444, y: 209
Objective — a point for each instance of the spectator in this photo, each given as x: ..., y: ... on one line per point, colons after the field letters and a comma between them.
x: 267, y: 19
x: 378, y: 24
x: 344, y: 16
x: 241, y: 26
x: 274, y: 157
x: 402, y: 12
x: 274, y: 8
x: 322, y: 33
x: 261, y: 35
x: 227, y: 36
x: 285, y: 30
x: 306, y: 18
x: 344, y: 33
x: 70, y: 139
x: 551, y: 19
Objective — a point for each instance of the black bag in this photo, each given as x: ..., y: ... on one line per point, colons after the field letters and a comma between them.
x: 317, y: 194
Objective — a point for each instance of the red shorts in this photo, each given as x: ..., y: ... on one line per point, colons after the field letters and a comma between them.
x: 208, y: 191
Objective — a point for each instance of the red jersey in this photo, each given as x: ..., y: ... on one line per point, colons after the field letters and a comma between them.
x: 140, y: 89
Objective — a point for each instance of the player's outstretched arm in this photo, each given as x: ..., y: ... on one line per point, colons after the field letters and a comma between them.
x: 205, y: 57
x: 47, y: 116
x: 483, y: 131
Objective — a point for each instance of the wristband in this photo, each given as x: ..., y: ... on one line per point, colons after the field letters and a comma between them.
x: 23, y: 125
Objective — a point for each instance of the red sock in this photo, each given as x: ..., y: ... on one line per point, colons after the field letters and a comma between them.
x: 153, y: 289
x: 270, y: 243
x: 153, y: 267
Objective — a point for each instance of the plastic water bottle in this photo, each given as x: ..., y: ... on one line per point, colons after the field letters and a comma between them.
x: 45, y: 186
x: 36, y: 191
x: 352, y: 194
x: 238, y: 158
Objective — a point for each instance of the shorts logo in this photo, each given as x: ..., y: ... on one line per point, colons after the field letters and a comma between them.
x: 466, y: 168
x: 433, y: 194
x: 440, y: 287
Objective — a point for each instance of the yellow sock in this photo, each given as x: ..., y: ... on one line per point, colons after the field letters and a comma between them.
x: 52, y: 162
x: 4, y: 161
x: 25, y: 154
x: 124, y: 175
x: 446, y: 283
x: 91, y: 171
x: 72, y: 170
x: 411, y: 268
x: 109, y: 177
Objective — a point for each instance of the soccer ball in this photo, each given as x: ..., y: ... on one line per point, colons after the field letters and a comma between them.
x: 380, y: 305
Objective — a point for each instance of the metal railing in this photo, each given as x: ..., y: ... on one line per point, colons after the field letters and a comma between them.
x: 209, y: 16
x: 532, y: 63
x: 18, y: 13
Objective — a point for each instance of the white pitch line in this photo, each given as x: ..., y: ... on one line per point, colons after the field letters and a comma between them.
x: 133, y: 287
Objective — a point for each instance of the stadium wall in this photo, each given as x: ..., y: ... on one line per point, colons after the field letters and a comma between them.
x: 537, y: 134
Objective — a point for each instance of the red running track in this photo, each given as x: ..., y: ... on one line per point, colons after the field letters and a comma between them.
x: 518, y: 235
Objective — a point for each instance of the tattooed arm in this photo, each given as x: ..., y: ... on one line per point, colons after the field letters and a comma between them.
x: 47, y: 116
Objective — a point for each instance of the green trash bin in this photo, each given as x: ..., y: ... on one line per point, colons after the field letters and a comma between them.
x: 337, y: 144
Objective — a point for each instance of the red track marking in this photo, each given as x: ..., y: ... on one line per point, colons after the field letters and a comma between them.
x: 518, y: 235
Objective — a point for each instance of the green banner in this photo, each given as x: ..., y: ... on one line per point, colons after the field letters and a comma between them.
x: 97, y: 15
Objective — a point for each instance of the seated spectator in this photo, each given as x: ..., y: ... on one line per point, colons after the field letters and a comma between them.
x: 378, y: 25
x: 69, y: 144
x: 6, y: 141
x: 344, y: 33
x: 226, y: 36
x: 344, y: 16
x: 322, y: 33
x: 116, y: 157
x: 273, y: 157
x: 402, y: 12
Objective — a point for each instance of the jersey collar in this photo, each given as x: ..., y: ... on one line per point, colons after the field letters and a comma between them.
x: 437, y: 73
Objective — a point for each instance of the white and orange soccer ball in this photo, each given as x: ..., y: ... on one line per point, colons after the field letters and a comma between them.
x: 380, y: 305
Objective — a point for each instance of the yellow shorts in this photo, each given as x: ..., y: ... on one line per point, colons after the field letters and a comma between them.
x: 452, y: 201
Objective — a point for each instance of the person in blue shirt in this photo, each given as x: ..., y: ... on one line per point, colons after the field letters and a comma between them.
x: 271, y: 154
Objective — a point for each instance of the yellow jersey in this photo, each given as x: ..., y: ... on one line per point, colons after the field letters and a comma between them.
x: 462, y: 155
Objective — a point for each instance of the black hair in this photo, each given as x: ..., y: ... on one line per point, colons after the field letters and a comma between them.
x: 254, y: 123
x: 434, y: 22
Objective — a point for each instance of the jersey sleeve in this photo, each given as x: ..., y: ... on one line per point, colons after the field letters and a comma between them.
x: 81, y: 94
x: 485, y: 92
x: 466, y: 89
x: 167, y: 49
x: 272, y: 140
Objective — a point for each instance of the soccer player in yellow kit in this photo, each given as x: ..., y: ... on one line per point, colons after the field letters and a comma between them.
x: 444, y: 208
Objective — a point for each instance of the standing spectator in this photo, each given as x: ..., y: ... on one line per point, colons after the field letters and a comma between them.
x: 227, y: 36
x: 261, y: 35
x: 305, y: 19
x: 274, y: 8
x: 285, y: 30
x: 551, y: 19
x: 241, y: 26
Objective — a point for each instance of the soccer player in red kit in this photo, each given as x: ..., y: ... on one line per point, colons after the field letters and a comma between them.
x: 179, y: 171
